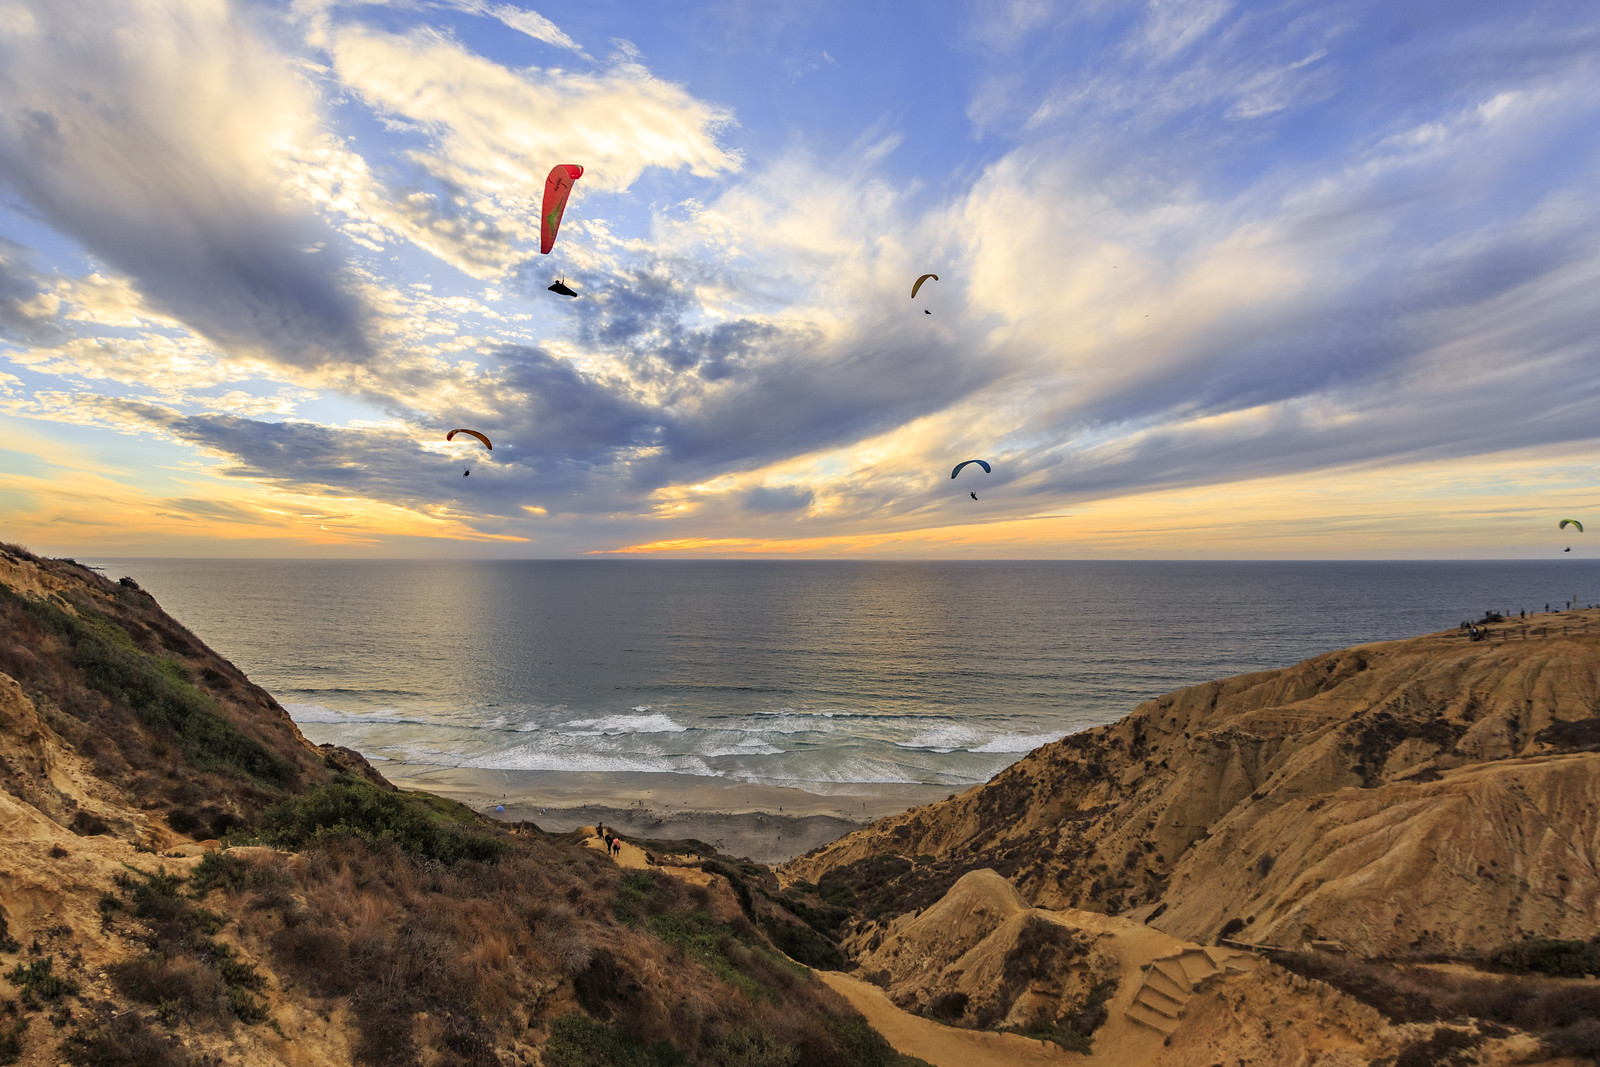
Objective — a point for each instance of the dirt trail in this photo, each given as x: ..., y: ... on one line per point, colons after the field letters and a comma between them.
x: 631, y: 856
x: 944, y: 1046
x: 635, y: 858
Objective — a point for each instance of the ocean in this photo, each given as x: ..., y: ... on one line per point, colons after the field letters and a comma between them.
x: 819, y: 675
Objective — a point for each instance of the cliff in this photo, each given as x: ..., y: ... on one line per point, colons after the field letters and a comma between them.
x: 1433, y: 795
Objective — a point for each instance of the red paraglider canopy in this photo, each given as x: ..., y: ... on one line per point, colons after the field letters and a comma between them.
x: 557, y: 187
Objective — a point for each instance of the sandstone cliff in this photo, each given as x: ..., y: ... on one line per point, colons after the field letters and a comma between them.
x: 1426, y: 796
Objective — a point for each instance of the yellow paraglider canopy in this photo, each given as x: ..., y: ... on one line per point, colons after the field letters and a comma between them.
x: 451, y: 436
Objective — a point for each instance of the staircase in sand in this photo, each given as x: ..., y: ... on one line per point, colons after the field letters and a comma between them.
x: 1169, y: 982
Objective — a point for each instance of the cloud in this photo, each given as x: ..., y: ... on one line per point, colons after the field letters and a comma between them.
x: 486, y: 136
x: 522, y: 20
x: 152, y: 134
x: 28, y: 310
x: 777, y: 499
x: 1202, y: 267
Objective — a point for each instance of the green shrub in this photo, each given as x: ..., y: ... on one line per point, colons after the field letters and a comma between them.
x: 708, y: 941
x: 185, y: 972
x: 217, y: 869
x: 579, y: 1041
x: 862, y: 1046
x: 804, y: 944
x: 38, y: 981
x: 635, y: 890
x: 412, y: 822
x: 11, y: 1040
x: 124, y: 1042
x: 1567, y: 959
x: 157, y: 689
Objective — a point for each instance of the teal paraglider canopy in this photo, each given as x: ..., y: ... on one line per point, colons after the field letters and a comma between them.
x: 980, y: 462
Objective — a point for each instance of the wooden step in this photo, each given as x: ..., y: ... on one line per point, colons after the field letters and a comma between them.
x: 1154, y: 1020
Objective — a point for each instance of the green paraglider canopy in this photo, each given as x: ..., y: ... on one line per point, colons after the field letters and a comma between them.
x: 1562, y: 525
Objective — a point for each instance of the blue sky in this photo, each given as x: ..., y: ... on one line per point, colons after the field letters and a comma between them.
x: 1216, y: 278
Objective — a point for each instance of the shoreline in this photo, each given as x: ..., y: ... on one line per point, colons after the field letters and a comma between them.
x: 765, y: 823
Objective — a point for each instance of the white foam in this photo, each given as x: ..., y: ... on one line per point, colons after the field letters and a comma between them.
x: 611, y: 725
x: 1016, y: 743
x: 325, y: 716
x: 787, y: 722
x: 750, y: 746
x: 540, y: 758
x: 944, y: 737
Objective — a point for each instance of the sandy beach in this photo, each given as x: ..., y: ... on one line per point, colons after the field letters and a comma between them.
x: 765, y: 823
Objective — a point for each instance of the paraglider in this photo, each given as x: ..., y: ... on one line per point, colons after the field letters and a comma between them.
x: 980, y: 462
x: 919, y: 281
x: 557, y: 188
x: 451, y: 436
x: 1574, y: 523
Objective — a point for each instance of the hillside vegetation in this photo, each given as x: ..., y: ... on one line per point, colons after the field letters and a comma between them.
x: 347, y: 922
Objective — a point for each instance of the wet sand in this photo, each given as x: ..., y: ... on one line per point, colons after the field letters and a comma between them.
x: 768, y: 824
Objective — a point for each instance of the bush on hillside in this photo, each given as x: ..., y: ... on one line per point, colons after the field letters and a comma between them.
x: 156, y: 689
x: 1542, y: 955
x: 357, y: 809
x: 1561, y: 1014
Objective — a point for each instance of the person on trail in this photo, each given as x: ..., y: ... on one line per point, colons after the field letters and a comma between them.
x: 616, y: 846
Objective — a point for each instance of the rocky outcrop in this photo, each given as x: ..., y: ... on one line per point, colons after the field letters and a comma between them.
x: 1430, y: 795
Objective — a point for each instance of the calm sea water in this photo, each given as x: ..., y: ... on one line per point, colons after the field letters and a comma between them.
x: 808, y: 674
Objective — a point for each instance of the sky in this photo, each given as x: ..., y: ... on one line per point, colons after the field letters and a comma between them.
x: 1216, y: 278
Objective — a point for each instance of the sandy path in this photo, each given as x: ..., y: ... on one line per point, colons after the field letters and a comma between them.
x: 631, y: 856
x: 635, y: 858
x: 943, y: 1046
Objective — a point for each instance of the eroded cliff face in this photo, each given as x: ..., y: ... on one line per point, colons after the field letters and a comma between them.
x: 1432, y: 794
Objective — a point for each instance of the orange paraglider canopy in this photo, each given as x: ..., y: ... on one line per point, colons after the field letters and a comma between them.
x: 451, y: 436
x: 557, y: 187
